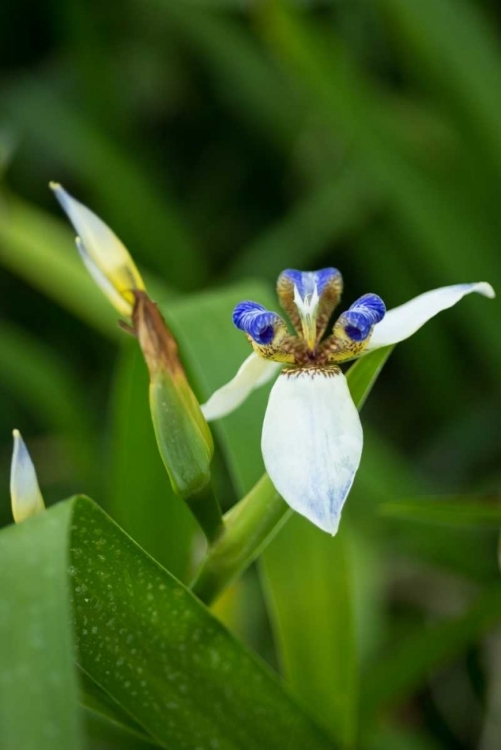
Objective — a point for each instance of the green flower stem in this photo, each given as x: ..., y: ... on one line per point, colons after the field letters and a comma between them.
x: 205, y: 507
x: 248, y: 527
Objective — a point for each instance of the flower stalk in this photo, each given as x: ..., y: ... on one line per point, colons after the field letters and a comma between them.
x: 248, y: 527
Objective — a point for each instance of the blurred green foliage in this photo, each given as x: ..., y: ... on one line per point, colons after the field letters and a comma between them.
x: 225, y: 140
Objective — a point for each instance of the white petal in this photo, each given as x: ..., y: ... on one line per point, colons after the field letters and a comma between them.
x: 103, y: 249
x: 401, y: 322
x: 254, y: 372
x: 26, y: 498
x: 123, y: 306
x: 312, y: 443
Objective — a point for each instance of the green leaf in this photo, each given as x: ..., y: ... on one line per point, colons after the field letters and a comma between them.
x: 140, y: 496
x: 363, y: 374
x: 308, y: 579
x: 141, y: 637
x: 38, y: 682
x: 107, y: 717
x: 309, y: 582
x: 447, y: 510
x: 399, y: 673
x: 102, y: 734
x: 148, y: 643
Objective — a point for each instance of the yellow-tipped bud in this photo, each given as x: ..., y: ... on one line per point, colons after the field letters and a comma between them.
x: 26, y: 498
x: 104, y: 255
x: 183, y: 436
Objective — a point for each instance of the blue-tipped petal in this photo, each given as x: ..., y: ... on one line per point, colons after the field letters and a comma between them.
x: 307, y: 281
x: 256, y: 321
x: 359, y: 319
x: 309, y: 298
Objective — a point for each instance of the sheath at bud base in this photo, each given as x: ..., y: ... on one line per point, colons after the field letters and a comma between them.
x: 183, y: 436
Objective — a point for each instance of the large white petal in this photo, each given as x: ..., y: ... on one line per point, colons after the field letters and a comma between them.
x: 254, y: 372
x: 401, y: 322
x: 312, y: 443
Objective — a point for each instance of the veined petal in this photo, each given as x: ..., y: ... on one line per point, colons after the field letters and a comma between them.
x: 253, y: 373
x: 401, y: 322
x: 312, y: 443
x: 26, y: 498
x: 103, y: 253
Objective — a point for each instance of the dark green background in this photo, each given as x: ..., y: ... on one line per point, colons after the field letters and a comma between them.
x: 223, y: 143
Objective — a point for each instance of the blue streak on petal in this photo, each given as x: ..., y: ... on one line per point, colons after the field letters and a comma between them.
x: 306, y: 281
x: 363, y: 314
x: 255, y: 320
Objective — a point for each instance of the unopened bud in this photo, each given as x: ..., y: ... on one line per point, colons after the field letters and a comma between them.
x: 104, y: 255
x: 26, y: 498
x: 183, y: 436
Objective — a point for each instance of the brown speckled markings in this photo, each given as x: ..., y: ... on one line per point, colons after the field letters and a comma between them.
x: 312, y: 371
x: 284, y: 350
x: 340, y: 348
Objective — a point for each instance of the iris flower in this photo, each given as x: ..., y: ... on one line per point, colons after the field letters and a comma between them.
x: 312, y: 437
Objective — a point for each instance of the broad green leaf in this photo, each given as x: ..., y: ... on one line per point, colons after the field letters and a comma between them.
x: 397, y: 674
x: 389, y: 737
x: 309, y: 583
x: 447, y: 510
x: 139, y: 494
x: 103, y: 734
x: 38, y: 683
x: 106, y: 717
x: 309, y: 580
x: 150, y: 645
